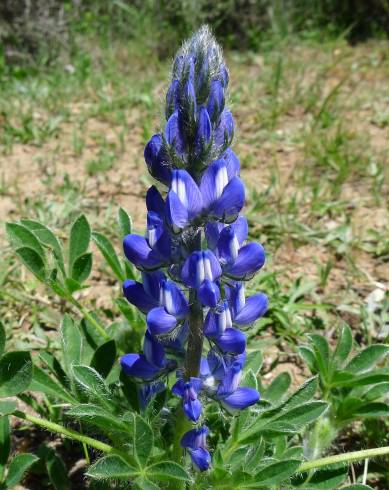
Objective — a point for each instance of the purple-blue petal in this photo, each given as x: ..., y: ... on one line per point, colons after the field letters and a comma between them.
x: 215, y: 104
x: 152, y: 283
x: 232, y: 162
x: 137, y: 365
x: 153, y: 351
x: 254, y: 308
x: 212, y: 232
x: 138, y: 251
x: 250, y: 259
x: 173, y: 133
x: 231, y: 340
x: 174, y: 300
x: 154, y: 201
x: 209, y: 293
x: 177, y: 213
x: 241, y: 398
x: 192, y: 409
x: 201, y: 458
x: 229, y: 204
x: 204, y: 130
x: 159, y: 322
x: 225, y: 130
x: 137, y: 296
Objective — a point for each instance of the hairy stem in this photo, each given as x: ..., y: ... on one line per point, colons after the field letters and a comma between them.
x: 71, y: 434
x: 344, y: 458
x: 59, y: 429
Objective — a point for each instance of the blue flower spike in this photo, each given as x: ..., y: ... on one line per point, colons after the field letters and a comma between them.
x: 194, y: 257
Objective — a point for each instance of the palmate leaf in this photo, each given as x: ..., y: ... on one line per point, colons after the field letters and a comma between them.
x: 20, y: 236
x: 167, y: 470
x: 18, y: 467
x: 55, y: 468
x: 272, y: 474
x: 304, y: 414
x: 15, y: 373
x: 277, y: 388
x: 322, y: 353
x: 98, y: 417
x: 104, y: 358
x: 367, y: 358
x: 125, y: 222
x: 47, y: 237
x: 323, y: 479
x: 71, y: 341
x: 143, y: 440
x: 80, y: 234
x: 343, y: 347
x: 92, y: 384
x: 44, y: 383
x: 108, y: 252
x: 82, y: 268
x: 112, y: 467
x: 33, y: 261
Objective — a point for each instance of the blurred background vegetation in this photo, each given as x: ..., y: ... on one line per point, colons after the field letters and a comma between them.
x: 40, y: 30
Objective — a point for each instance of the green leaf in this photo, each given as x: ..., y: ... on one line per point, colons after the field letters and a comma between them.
x: 56, y: 469
x: 322, y: 352
x: 91, y: 383
x: 344, y: 379
x: 323, y: 479
x: 2, y: 338
x: 254, y: 362
x: 303, y: 414
x: 374, y: 409
x: 273, y: 474
x: 376, y: 391
x: 112, y: 466
x: 277, y: 388
x: 367, y: 358
x: 108, y: 252
x: 98, y: 417
x: 82, y: 267
x: 125, y: 222
x: 33, y: 261
x: 145, y: 484
x: 43, y: 383
x: 18, y: 467
x: 143, y: 440
x: 47, y: 237
x: 71, y: 341
x: 344, y: 346
x: 7, y: 407
x: 309, y: 357
x: 104, y: 358
x: 167, y: 470
x: 15, y: 373
x: 80, y: 234
x: 5, y: 440
x: 20, y: 237
x: 303, y: 394
x: 249, y: 379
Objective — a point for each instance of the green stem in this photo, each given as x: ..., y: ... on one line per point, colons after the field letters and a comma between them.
x: 344, y: 458
x: 59, y: 429
x: 90, y: 319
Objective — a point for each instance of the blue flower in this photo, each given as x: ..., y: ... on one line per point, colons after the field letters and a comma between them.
x: 195, y: 442
x: 149, y: 365
x: 156, y: 159
x: 188, y: 391
x: 174, y: 307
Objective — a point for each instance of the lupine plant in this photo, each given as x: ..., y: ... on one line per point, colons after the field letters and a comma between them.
x: 182, y: 408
